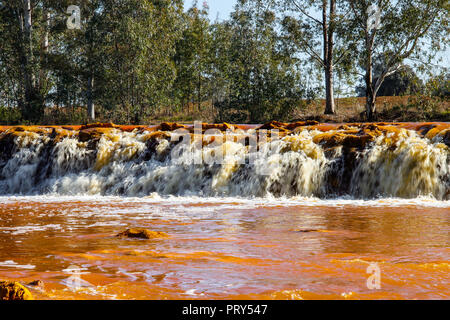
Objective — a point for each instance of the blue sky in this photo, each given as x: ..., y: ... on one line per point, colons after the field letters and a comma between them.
x: 220, y: 8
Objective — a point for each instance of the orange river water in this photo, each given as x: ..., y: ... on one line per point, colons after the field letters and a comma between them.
x: 226, y: 248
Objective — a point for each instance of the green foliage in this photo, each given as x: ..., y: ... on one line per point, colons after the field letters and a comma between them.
x: 403, y: 82
x: 193, y: 59
x: 124, y: 47
x: 10, y: 116
x: 430, y: 103
x: 408, y: 29
x: 261, y: 75
x: 439, y: 85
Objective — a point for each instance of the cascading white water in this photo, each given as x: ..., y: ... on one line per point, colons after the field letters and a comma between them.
x: 122, y: 164
x: 408, y: 167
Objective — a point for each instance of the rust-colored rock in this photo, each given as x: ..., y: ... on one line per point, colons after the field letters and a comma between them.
x: 306, y: 230
x: 171, y: 126
x: 347, y: 139
x: 142, y: 234
x: 220, y: 126
x: 348, y: 134
x: 12, y: 290
x: 274, y: 125
x: 92, y: 133
x: 37, y: 283
x: 292, y: 126
x: 157, y: 135
x: 282, y: 126
x: 98, y: 125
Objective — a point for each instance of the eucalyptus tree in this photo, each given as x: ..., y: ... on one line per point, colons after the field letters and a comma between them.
x: 193, y: 57
x: 77, y: 48
x: 127, y: 47
x: 318, y: 28
x: 38, y: 46
x: 220, y: 53
x: 21, y: 52
x: 263, y: 77
x: 133, y: 46
x: 393, y: 31
x: 403, y: 82
x: 158, y: 33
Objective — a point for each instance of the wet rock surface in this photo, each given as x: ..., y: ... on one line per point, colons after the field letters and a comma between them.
x: 350, y: 132
x: 37, y: 283
x: 141, y: 233
x: 12, y: 290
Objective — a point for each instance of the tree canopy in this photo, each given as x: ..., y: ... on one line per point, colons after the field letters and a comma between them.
x: 133, y: 58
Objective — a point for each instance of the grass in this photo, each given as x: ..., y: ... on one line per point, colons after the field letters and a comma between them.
x: 394, y: 108
x: 352, y: 109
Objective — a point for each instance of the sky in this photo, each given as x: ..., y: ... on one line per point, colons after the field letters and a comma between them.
x: 217, y: 8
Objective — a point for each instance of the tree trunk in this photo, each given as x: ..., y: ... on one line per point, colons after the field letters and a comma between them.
x: 199, y: 96
x: 44, y: 50
x: 28, y: 34
x: 330, y: 106
x: 90, y: 102
x: 328, y: 46
x: 370, y: 93
x: 370, y: 107
x: 27, y: 54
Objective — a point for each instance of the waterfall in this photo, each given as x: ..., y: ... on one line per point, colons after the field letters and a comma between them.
x: 361, y: 161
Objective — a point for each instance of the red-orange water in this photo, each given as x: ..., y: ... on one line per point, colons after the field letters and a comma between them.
x: 227, y: 249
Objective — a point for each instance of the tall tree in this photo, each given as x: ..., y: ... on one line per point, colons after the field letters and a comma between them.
x: 263, y: 77
x: 406, y: 29
x: 19, y: 18
x: 122, y: 55
x: 313, y: 25
x: 192, y: 58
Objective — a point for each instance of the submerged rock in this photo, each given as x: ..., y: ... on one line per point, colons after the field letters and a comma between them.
x: 219, y: 126
x: 92, y: 134
x: 12, y: 290
x: 171, y: 126
x: 37, y: 283
x: 98, y: 125
x: 306, y: 230
x: 142, y: 234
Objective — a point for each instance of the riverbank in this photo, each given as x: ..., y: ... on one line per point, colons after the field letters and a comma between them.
x: 389, y: 109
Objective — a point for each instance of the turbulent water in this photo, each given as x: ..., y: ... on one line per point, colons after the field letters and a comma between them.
x: 402, y: 164
x: 226, y: 248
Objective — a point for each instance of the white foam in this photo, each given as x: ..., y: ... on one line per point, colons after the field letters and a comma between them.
x: 30, y: 228
x: 224, y: 202
x: 12, y: 264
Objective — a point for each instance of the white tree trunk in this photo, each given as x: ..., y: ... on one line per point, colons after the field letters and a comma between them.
x: 90, y: 104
